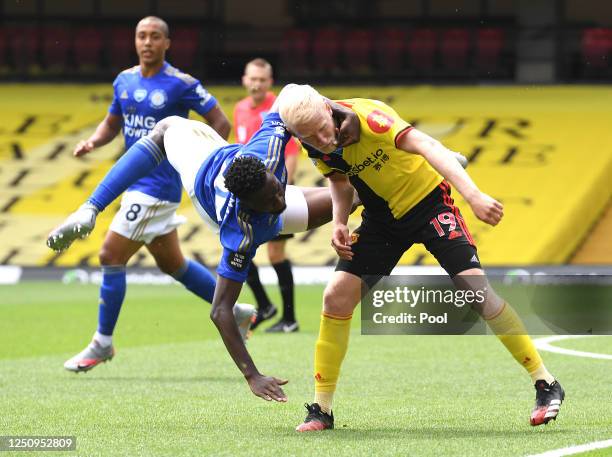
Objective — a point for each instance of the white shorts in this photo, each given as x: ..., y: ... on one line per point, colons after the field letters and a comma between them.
x: 189, y: 143
x: 143, y: 217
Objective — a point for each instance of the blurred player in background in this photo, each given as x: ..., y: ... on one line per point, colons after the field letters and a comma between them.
x: 143, y: 95
x: 400, y: 175
x: 248, y: 115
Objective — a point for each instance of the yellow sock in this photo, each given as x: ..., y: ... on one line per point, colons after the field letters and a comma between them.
x: 329, y: 353
x: 511, y: 331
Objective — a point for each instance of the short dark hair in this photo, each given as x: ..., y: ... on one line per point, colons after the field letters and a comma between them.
x: 245, y: 175
x: 162, y: 24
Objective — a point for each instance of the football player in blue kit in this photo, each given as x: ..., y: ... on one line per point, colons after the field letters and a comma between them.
x: 240, y: 191
x: 143, y: 95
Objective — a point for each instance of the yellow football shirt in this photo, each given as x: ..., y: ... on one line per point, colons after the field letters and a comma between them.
x: 389, y: 181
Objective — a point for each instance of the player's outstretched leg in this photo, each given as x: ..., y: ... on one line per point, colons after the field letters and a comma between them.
x: 138, y: 161
x: 78, y: 225
x: 504, y: 321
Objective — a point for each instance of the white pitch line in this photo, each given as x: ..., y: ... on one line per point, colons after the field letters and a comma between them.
x: 571, y: 450
x: 544, y: 344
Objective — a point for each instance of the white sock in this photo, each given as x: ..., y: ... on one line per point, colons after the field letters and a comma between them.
x: 103, y: 340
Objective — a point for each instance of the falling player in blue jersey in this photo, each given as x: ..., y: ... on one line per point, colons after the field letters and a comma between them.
x: 240, y: 191
x: 143, y: 95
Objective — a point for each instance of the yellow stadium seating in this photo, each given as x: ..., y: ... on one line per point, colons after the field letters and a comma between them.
x: 545, y: 152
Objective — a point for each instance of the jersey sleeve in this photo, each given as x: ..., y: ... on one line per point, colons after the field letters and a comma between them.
x: 115, y: 106
x: 381, y: 121
x: 239, y: 247
x: 198, y: 99
x: 269, y: 142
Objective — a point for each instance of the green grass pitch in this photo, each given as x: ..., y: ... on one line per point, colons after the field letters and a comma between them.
x: 173, y: 390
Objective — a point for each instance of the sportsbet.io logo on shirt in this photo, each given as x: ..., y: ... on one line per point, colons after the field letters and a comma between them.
x: 377, y: 158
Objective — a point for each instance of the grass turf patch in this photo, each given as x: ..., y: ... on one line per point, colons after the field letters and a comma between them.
x: 173, y: 390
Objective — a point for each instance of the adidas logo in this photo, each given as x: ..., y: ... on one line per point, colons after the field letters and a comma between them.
x: 474, y: 259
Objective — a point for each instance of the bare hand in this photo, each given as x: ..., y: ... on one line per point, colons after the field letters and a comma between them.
x: 82, y: 148
x: 341, y: 242
x: 350, y: 128
x: 268, y: 387
x: 487, y: 209
x: 348, y: 133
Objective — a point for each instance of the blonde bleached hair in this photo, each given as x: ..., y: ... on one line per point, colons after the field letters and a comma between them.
x: 299, y: 104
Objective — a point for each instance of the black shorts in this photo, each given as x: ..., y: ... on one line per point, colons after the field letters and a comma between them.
x: 284, y: 236
x: 435, y: 222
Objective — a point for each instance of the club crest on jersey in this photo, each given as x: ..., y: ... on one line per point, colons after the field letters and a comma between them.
x: 158, y: 98
x: 379, y: 122
x: 140, y: 95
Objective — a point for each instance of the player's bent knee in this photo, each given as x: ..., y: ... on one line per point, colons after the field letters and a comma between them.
x: 342, y: 294
x: 167, y: 267
x: 474, y: 279
x: 337, y: 304
x: 109, y: 256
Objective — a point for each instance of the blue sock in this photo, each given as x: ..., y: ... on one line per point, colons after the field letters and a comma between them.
x: 112, y: 293
x: 196, y: 278
x: 140, y: 160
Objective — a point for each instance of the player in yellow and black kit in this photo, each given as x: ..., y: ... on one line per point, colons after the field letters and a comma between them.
x: 395, y: 207
x: 402, y: 177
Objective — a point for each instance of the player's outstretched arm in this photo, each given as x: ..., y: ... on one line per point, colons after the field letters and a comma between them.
x: 226, y: 294
x: 486, y: 208
x: 106, y: 131
x: 349, y: 130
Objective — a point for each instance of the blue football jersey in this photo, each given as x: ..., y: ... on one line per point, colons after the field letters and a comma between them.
x: 142, y: 102
x: 242, y: 230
